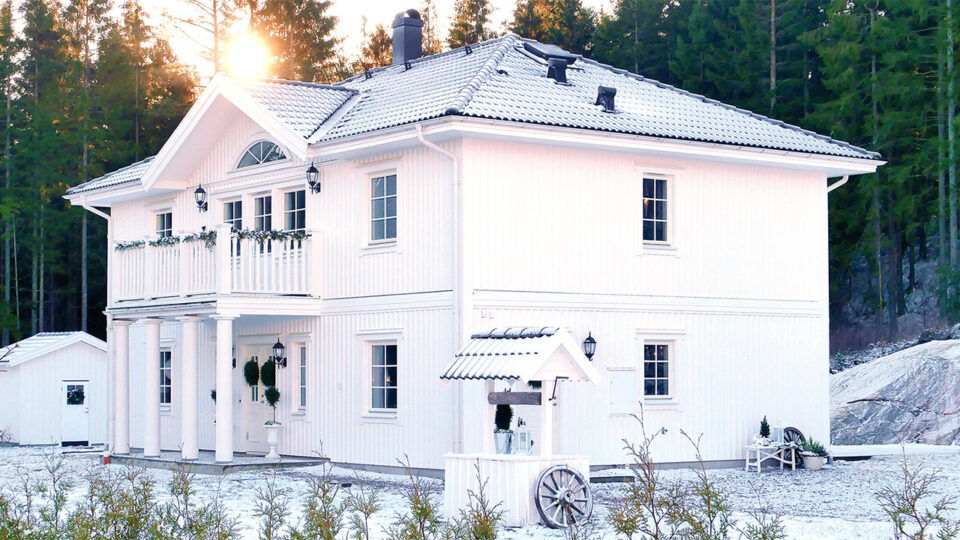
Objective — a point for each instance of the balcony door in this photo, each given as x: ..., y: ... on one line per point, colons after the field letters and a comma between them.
x: 254, y: 409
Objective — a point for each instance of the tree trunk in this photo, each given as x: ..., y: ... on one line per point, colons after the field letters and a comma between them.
x: 7, y: 279
x: 941, y: 170
x: 773, y: 55
x: 951, y: 149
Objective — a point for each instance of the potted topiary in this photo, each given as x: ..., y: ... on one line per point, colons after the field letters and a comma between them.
x: 814, y: 455
x: 503, y: 435
x: 763, y: 439
x: 272, y: 396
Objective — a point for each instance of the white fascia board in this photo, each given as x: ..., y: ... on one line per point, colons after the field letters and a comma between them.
x: 60, y: 344
x: 221, y: 86
x: 453, y: 126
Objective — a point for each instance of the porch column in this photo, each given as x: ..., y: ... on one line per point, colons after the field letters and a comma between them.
x: 224, y: 448
x: 189, y: 419
x: 121, y: 386
x: 151, y: 389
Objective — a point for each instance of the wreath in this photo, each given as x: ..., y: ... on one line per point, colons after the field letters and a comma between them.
x: 251, y: 372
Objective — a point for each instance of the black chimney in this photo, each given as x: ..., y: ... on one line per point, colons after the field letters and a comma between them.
x: 605, y: 97
x: 557, y: 70
x: 407, y: 36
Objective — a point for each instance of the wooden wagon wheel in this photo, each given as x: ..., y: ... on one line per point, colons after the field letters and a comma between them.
x: 793, y: 435
x: 563, y: 497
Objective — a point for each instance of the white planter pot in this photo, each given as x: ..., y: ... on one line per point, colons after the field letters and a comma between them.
x: 273, y: 439
x: 503, y: 440
x: 814, y: 463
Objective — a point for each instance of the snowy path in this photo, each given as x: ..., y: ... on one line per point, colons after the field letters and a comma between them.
x: 836, y: 503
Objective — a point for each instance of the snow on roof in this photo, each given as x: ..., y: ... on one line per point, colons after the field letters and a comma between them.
x: 500, y: 80
x: 126, y: 175
x: 44, y: 343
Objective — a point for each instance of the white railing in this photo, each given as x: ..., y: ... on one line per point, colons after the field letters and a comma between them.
x: 234, y: 264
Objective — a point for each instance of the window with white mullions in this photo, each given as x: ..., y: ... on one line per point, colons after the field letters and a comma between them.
x: 263, y: 218
x: 655, y: 210
x: 166, y: 377
x: 383, y: 213
x: 384, y: 382
x: 233, y: 214
x: 259, y: 153
x: 295, y: 210
x: 165, y: 224
x: 303, y: 376
x: 656, y: 370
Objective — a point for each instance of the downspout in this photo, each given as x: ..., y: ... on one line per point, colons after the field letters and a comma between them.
x: 838, y: 183
x: 457, y: 269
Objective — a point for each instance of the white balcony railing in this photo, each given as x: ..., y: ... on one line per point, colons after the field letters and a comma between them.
x: 233, y: 264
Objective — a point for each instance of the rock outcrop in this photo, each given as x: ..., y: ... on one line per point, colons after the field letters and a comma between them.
x: 910, y: 396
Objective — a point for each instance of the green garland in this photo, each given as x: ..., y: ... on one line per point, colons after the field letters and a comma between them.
x: 124, y: 246
x: 276, y: 236
x: 209, y: 238
x: 165, y: 241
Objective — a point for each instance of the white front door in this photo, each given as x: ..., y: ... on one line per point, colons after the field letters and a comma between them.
x: 75, y: 413
x: 254, y: 409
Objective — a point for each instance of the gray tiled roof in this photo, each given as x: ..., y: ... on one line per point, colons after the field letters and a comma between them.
x: 301, y: 106
x: 501, y: 353
x: 127, y: 175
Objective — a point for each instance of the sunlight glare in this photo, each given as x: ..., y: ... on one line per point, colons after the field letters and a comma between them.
x: 247, y: 57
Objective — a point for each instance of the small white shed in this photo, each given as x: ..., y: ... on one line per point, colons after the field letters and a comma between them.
x: 53, y: 389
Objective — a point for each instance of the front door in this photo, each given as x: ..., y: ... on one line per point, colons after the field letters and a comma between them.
x: 254, y: 409
x: 75, y: 413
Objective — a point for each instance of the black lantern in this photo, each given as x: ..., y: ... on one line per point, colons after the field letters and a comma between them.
x: 200, y: 195
x: 313, y: 178
x: 589, y: 346
x: 278, y: 356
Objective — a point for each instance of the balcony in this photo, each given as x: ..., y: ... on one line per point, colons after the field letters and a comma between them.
x: 219, y: 262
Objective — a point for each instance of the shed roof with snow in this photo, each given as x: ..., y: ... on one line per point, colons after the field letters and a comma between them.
x: 44, y: 343
x: 525, y: 354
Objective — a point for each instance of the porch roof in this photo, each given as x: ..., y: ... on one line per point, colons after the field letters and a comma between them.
x: 521, y: 353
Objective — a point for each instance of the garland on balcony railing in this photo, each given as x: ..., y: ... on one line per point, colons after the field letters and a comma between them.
x: 276, y: 236
x: 165, y: 241
x: 124, y: 246
x: 209, y: 238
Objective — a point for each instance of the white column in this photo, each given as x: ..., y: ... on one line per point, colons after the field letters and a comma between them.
x: 189, y: 415
x: 224, y: 448
x: 121, y: 386
x: 546, y: 423
x: 151, y: 389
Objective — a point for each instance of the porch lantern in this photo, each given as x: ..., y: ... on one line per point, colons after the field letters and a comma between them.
x: 278, y: 356
x: 200, y: 195
x: 589, y: 346
x: 313, y: 178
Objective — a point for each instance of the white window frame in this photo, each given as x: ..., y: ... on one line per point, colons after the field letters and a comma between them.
x: 368, y: 339
x: 300, y: 348
x: 265, y: 216
x: 672, y: 338
x: 674, y: 177
x: 169, y: 369
x: 386, y: 386
x: 671, y: 367
x: 666, y: 220
x: 157, y: 217
x: 236, y: 222
x: 372, y: 198
x: 250, y: 144
x: 289, y: 214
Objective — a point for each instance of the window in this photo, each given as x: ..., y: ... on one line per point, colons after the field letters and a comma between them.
x: 303, y: 376
x: 295, y: 210
x: 233, y: 214
x: 166, y: 378
x: 656, y: 375
x: 165, y: 224
x: 259, y: 153
x: 654, y: 210
x: 384, y: 383
x: 383, y: 214
x: 263, y: 213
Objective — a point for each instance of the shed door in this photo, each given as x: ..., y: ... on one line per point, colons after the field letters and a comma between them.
x: 75, y: 413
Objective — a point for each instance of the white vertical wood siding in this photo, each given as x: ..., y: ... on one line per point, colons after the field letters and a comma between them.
x: 33, y: 401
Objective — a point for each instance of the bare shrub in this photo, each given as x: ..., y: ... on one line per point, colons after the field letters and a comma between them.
x: 271, y: 508
x: 422, y: 519
x: 700, y: 509
x: 362, y: 503
x: 183, y: 517
x: 765, y: 525
x: 916, y: 507
x: 480, y: 519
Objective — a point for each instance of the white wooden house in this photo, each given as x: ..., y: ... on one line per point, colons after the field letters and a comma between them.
x: 457, y: 193
x: 54, y: 389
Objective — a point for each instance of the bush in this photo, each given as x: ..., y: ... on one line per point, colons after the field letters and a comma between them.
x: 814, y: 447
x: 503, y: 417
x: 363, y: 502
x: 272, y: 395
x: 270, y: 507
x: 479, y: 520
x: 422, y: 519
x: 251, y: 372
x: 322, y: 514
x: 916, y: 508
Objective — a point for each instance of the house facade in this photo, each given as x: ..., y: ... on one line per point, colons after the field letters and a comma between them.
x: 450, y: 195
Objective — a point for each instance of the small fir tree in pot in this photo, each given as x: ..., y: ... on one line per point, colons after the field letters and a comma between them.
x: 764, y: 431
x: 503, y: 436
x: 272, y: 427
x: 272, y: 396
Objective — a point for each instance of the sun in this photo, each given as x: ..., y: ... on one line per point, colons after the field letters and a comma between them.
x: 247, y: 57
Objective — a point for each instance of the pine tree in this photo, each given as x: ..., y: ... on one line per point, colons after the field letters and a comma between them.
x: 565, y: 23
x: 8, y: 52
x: 299, y: 35
x: 213, y: 21
x: 377, y: 49
x: 638, y: 36
x: 431, y: 40
x: 470, y: 23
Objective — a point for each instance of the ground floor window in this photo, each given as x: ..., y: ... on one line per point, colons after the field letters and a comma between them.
x: 302, y: 368
x: 384, y: 377
x: 166, y: 377
x: 656, y: 370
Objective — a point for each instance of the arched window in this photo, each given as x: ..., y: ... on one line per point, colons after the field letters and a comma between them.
x: 261, y: 152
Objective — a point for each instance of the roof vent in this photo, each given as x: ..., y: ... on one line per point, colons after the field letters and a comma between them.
x: 557, y: 70
x: 407, y: 37
x: 547, y: 51
x: 605, y: 97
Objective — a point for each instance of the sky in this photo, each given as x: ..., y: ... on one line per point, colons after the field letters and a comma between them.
x: 349, y: 12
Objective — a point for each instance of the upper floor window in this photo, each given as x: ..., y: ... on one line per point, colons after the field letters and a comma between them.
x: 261, y: 152
x: 233, y: 214
x: 654, y: 210
x: 166, y: 377
x: 263, y: 213
x: 295, y: 210
x: 383, y: 214
x: 165, y: 224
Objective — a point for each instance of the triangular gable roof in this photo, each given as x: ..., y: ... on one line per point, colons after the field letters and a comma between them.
x: 523, y: 354
x: 43, y: 344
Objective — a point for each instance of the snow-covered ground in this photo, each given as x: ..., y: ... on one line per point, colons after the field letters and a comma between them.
x: 837, y: 502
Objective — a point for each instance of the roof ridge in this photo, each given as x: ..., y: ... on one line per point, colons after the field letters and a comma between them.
x: 298, y: 83
x: 466, y: 93
x: 705, y: 99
